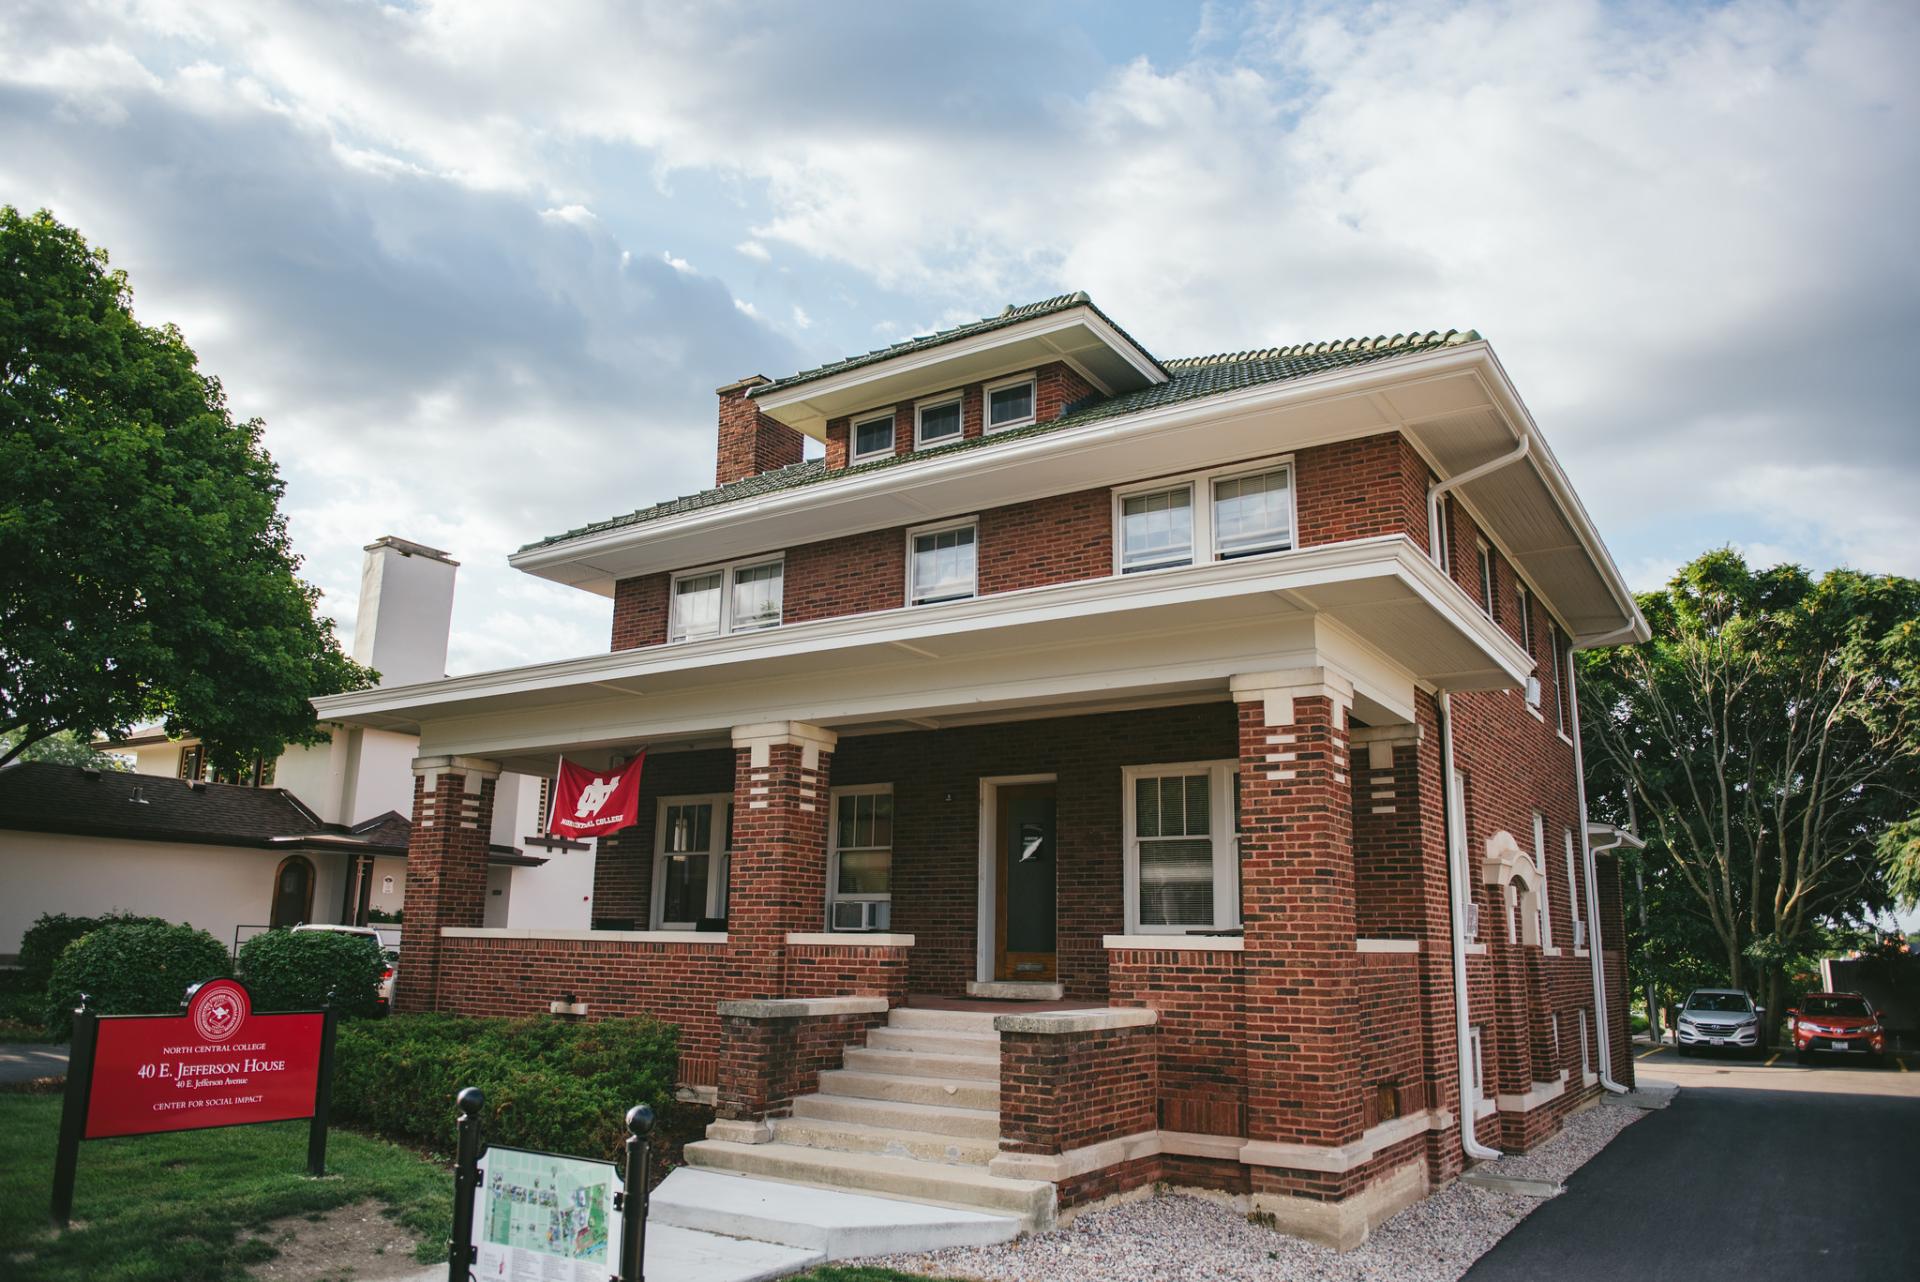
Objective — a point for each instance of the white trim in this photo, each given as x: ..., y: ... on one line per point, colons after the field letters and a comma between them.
x: 834, y: 796
x: 1484, y: 554
x: 1200, y: 489
x: 1386, y: 945
x: 849, y: 939
x: 1546, y: 882
x: 726, y: 570
x: 957, y: 398
x: 942, y: 527
x: 985, y: 904
x: 1222, y: 834
x: 1176, y: 943
x: 987, y: 426
x: 1540, y: 1093
x: 716, y: 938
x: 858, y: 421
x: 1054, y: 1167
x: 716, y: 853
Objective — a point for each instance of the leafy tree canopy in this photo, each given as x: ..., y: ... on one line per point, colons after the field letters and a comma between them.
x: 145, y: 570
x: 63, y: 748
x: 1767, y: 740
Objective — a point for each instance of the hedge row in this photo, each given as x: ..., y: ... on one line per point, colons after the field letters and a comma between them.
x: 557, y: 1087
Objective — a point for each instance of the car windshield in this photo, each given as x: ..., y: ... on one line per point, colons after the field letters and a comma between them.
x: 1720, y: 1002
x: 1834, y: 1006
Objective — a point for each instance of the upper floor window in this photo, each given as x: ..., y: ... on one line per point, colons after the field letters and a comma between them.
x: 1182, y: 854
x: 1559, y: 677
x: 1546, y: 893
x: 1486, y: 578
x: 1010, y: 403
x: 872, y: 438
x: 743, y: 597
x: 941, y: 563
x: 1441, y: 534
x: 1245, y: 513
x: 936, y: 421
x: 1523, y: 600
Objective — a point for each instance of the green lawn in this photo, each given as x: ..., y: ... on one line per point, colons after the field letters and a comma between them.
x: 173, y: 1208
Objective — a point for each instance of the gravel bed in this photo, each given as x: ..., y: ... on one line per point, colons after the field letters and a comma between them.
x: 1176, y: 1238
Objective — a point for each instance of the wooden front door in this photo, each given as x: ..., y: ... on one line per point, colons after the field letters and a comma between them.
x: 292, y: 892
x: 1024, y: 883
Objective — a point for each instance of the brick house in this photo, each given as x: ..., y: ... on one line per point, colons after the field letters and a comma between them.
x: 1089, y: 770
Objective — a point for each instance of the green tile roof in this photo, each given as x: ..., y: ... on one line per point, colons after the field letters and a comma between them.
x: 1189, y: 378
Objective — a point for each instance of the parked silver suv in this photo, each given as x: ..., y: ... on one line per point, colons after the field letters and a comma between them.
x: 1722, y: 1017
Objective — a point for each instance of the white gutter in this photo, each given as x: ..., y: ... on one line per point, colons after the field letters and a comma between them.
x: 1596, y: 954
x: 1457, y: 885
x: 1453, y: 482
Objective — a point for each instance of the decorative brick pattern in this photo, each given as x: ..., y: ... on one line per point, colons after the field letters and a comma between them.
x: 1062, y: 1091
x: 446, y: 868
x: 779, y: 880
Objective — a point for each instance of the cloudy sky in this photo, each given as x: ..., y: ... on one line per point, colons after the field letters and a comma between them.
x: 481, y: 265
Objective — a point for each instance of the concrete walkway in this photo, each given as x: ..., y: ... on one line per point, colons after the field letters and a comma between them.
x: 29, y: 1061
x: 686, y: 1255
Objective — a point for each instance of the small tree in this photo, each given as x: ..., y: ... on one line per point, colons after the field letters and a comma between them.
x: 145, y: 569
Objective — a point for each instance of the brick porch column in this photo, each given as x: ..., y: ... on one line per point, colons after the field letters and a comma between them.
x: 778, y: 883
x: 1297, y: 893
x: 446, y: 867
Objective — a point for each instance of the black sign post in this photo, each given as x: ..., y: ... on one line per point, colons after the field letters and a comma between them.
x: 73, y: 1111
x: 633, y: 1200
x: 461, y: 1252
x: 322, y: 1096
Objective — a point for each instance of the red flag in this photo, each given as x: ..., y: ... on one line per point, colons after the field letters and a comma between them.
x: 589, y: 803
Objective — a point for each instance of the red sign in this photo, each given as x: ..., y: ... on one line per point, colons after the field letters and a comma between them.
x: 217, y: 1065
x: 589, y: 804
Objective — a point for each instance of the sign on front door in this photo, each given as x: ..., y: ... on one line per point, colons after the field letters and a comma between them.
x: 1025, y: 864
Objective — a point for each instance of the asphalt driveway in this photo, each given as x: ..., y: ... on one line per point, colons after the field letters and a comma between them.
x: 26, y: 1062
x: 1755, y: 1172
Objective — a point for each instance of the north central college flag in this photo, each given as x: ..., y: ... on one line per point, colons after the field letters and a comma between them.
x: 592, y: 804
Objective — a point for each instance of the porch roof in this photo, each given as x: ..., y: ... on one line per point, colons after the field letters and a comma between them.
x: 1376, y: 609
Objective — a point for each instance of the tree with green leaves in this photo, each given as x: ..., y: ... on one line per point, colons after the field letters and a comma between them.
x: 1767, y: 740
x: 146, y: 574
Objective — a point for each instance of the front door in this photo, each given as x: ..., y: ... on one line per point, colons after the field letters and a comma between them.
x: 292, y: 892
x: 1024, y: 883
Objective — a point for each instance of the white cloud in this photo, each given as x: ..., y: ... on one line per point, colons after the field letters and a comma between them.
x: 800, y: 318
x: 755, y: 250
x: 678, y: 264
x: 745, y: 308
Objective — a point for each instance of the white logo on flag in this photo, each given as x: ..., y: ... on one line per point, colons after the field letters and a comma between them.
x: 594, y: 796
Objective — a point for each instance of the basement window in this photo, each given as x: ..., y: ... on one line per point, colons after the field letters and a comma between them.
x: 942, y: 563
x: 1010, y: 403
x: 742, y: 597
x: 1182, y: 855
x: 872, y: 438
x: 936, y: 421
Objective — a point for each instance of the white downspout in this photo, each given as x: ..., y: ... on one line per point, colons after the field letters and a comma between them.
x: 1438, y: 488
x: 1595, y: 951
x: 1457, y: 885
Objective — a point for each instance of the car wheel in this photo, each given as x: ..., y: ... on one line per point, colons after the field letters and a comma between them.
x: 1683, y: 1051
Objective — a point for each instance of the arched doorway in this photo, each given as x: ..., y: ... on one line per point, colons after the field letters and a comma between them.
x: 292, y: 892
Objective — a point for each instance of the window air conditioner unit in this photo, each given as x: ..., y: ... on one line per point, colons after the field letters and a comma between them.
x: 860, y: 914
x: 1473, y: 921
x: 1533, y: 692
x: 1579, y: 934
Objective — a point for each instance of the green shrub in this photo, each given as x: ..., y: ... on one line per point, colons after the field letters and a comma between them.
x: 297, y: 969
x: 136, y: 968
x: 560, y: 1087
x: 50, y: 934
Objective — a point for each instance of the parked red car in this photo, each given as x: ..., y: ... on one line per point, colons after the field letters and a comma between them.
x: 1842, y: 1022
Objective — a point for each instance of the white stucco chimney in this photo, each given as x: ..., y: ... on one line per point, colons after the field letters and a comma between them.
x: 406, y: 611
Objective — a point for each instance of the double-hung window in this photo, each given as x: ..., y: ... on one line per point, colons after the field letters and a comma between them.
x: 1214, y: 516
x: 1523, y: 600
x: 862, y: 851
x: 1441, y: 535
x: 936, y: 421
x: 691, y: 841
x: 1182, y: 853
x: 942, y: 563
x: 742, y: 597
x: 1573, y: 894
x: 1559, y: 677
x: 1010, y: 403
x: 1546, y: 889
x: 872, y: 438
x: 1486, y: 579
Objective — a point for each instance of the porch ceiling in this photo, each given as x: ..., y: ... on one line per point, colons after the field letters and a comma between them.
x: 1376, y: 610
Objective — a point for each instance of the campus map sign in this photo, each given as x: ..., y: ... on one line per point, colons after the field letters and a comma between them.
x: 544, y: 1218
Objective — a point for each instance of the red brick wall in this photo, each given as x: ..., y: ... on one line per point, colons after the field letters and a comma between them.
x: 1062, y: 1091
x: 1057, y: 386
x: 640, y: 611
x: 779, y: 879
x: 1359, y: 489
x: 766, y: 1062
x: 854, y: 575
x: 446, y: 876
x: 1056, y: 540
x: 1390, y: 1050
x: 847, y: 970
x: 1201, y: 998
x: 749, y: 442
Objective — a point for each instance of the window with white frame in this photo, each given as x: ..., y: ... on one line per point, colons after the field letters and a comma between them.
x: 1553, y: 1022
x: 1523, y: 599
x: 1477, y: 1068
x: 1440, y: 534
x: 1586, y: 1055
x: 942, y: 564
x: 1559, y: 678
x: 1010, y: 403
x: 1486, y: 578
x: 691, y: 840
x: 1182, y: 854
x: 936, y: 421
x: 862, y: 847
x: 742, y: 597
x: 1546, y: 891
x: 872, y: 438
x: 1573, y: 893
x: 1212, y: 516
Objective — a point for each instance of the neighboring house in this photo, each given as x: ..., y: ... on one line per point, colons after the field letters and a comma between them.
x: 1221, y: 709
x: 318, y: 835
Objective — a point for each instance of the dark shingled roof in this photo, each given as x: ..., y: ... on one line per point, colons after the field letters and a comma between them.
x: 1189, y: 378
x: 39, y: 796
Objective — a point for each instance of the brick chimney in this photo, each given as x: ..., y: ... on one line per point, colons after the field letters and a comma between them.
x: 750, y: 442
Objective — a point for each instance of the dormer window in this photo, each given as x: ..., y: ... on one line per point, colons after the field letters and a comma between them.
x: 872, y: 437
x: 1010, y: 403
x: 936, y: 421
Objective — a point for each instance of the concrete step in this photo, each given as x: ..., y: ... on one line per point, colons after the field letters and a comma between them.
x: 938, y: 1041
x: 1016, y: 990
x: 922, y: 1064
x: 952, y: 1021
x: 967, y: 1123
x: 854, y: 1137
x: 829, y: 1223
x: 1032, y: 1201
x: 951, y: 1092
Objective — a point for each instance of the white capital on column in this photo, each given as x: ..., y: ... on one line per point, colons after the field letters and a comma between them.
x: 760, y: 739
x: 1278, y: 690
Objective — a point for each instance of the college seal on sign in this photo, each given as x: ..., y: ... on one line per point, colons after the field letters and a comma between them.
x: 217, y: 1009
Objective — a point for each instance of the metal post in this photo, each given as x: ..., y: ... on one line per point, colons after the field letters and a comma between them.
x: 466, y: 1179
x: 633, y: 1202
x: 73, y: 1110
x: 322, y: 1095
